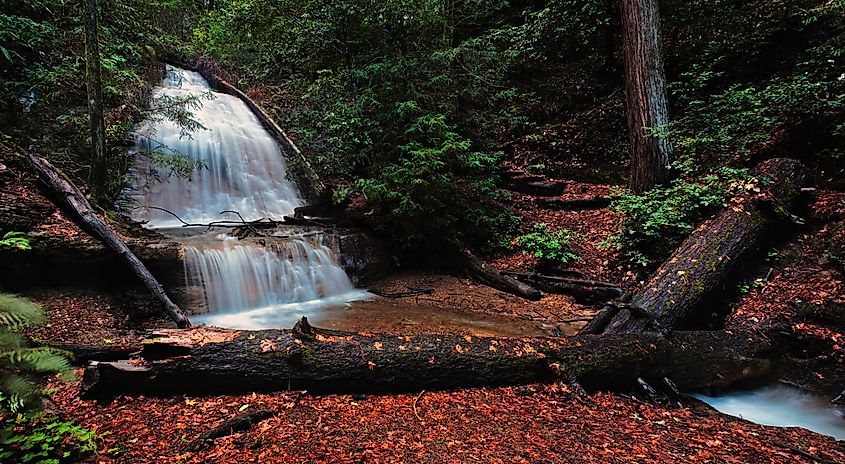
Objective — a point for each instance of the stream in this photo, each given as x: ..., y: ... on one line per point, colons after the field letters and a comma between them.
x: 782, y: 406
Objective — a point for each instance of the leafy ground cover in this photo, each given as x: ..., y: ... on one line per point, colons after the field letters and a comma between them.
x: 532, y: 424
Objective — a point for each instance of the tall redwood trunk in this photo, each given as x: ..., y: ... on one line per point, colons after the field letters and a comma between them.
x: 93, y: 80
x: 645, y: 88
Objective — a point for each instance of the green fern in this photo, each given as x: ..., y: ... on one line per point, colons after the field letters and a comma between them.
x: 16, y: 312
x: 21, y: 365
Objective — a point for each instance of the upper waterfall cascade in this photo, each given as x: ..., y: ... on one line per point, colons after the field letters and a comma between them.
x: 239, y: 167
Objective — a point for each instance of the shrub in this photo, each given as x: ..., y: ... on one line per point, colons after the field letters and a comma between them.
x: 42, y: 439
x: 550, y: 247
x: 655, y: 222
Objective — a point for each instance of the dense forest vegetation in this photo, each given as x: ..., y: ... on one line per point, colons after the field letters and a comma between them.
x: 415, y: 104
x: 414, y: 114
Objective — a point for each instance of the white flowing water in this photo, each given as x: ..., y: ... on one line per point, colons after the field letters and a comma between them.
x: 783, y: 407
x: 251, y: 287
x: 241, y: 168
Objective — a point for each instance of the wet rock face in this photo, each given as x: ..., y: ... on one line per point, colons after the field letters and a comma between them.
x: 362, y: 256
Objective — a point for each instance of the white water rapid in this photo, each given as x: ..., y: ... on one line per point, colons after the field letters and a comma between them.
x: 239, y: 167
x: 783, y: 407
x: 253, y: 287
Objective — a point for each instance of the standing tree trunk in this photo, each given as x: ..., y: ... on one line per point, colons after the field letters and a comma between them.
x: 93, y: 80
x: 645, y: 88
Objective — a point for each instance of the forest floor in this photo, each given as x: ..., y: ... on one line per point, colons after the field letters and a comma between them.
x: 530, y: 424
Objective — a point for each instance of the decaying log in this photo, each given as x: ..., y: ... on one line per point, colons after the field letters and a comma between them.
x: 589, y: 292
x: 468, y: 263
x: 699, y: 269
x: 73, y: 199
x: 218, y: 361
x: 84, y: 354
x: 600, y: 320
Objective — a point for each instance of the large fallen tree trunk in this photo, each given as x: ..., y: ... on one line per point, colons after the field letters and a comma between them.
x: 217, y: 361
x: 73, y: 199
x: 704, y: 263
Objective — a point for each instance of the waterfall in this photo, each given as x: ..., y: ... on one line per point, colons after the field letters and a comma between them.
x: 241, y: 167
x: 247, y: 286
x: 238, y: 167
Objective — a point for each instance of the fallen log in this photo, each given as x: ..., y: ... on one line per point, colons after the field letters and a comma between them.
x: 583, y: 291
x: 536, y: 187
x: 218, y: 361
x: 468, y: 263
x: 82, y: 355
x: 699, y: 269
x: 73, y: 199
x: 575, y: 204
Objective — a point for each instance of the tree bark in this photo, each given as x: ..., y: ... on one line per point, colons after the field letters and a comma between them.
x: 645, y: 88
x: 218, y: 361
x: 64, y: 190
x: 94, y: 83
x: 699, y: 269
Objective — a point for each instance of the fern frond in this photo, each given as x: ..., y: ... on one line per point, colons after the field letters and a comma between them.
x: 19, y: 391
x: 41, y: 360
x: 11, y: 341
x: 16, y: 312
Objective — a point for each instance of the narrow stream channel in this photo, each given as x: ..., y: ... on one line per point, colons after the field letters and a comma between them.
x: 782, y: 406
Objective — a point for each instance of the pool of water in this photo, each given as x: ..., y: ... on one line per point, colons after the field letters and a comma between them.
x: 782, y: 406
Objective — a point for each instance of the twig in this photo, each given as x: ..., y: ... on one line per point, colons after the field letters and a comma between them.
x: 166, y: 211
x: 577, y: 319
x: 235, y: 212
x: 411, y: 292
x: 803, y: 453
x: 263, y: 222
x: 566, y: 280
x: 415, y: 405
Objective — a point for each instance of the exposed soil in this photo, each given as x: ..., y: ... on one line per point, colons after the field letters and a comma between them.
x: 95, y: 316
x: 592, y: 226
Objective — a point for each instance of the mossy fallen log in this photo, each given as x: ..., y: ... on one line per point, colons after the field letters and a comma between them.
x: 698, y: 271
x: 218, y: 361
